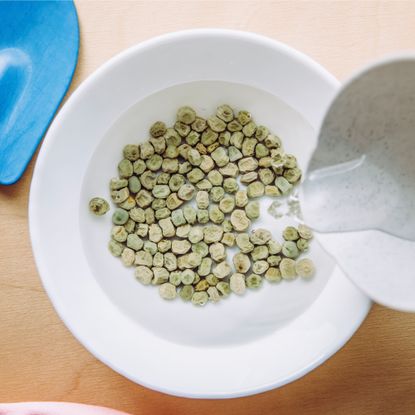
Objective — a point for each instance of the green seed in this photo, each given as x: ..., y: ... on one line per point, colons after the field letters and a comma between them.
x: 171, y: 152
x: 244, y: 117
x: 167, y: 291
x: 224, y: 288
x: 164, y: 245
x: 239, y: 220
x: 154, y: 162
x: 244, y: 244
x: 119, y: 233
x: 150, y: 247
x: 201, y: 248
x: 253, y: 281
x: 131, y: 152
x: 161, y: 191
x: 227, y: 226
x: 175, y: 278
x: 125, y: 168
x: 115, y: 247
x: 230, y: 185
x: 248, y: 146
x: 188, y: 277
x: 195, y: 175
x: 290, y: 250
x: 177, y: 217
x: 290, y: 233
x: 225, y: 113
x: 217, y: 252
x: 98, y: 206
x: 252, y: 210
x: 186, y: 293
x: 212, y: 233
x: 234, y: 154
x: 302, y: 245
x: 261, y: 133
x: 146, y: 150
x: 186, y: 115
x: 241, y: 262
x: 130, y: 226
x: 209, y: 137
x: 158, y: 129
x: 273, y: 275
x: 199, y: 124
x: 227, y: 204
x: 162, y: 212
x: 216, y: 124
x: 216, y: 215
x: 247, y: 164
x: 259, y: 267
x: 241, y: 198
x: 283, y: 185
x: 181, y: 128
x: 287, y: 269
x: 139, y: 167
x: 215, y: 178
x: 305, y: 232
x: 159, y: 144
x: 143, y: 258
x: 260, y: 252
x: 256, y: 189
x: 189, y: 213
x: 120, y: 217
x: 143, y: 274
x: 200, y: 298
x: 172, y: 137
x: 220, y: 156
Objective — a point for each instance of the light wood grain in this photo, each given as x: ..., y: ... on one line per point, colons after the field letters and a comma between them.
x: 40, y: 360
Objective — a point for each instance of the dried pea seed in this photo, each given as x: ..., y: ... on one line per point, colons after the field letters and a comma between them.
x: 211, y: 148
x: 249, y: 129
x: 146, y: 150
x: 287, y: 269
x: 164, y: 245
x: 292, y: 175
x: 189, y: 213
x: 227, y: 226
x: 172, y: 137
x: 175, y: 278
x: 173, y: 201
x: 200, y: 298
x: 167, y: 291
x: 201, y: 248
x: 161, y: 191
x: 194, y: 259
x: 212, y: 279
x: 220, y: 156
x: 224, y: 288
x: 209, y: 137
x: 241, y: 262
x: 195, y: 175
x: 283, y: 185
x: 247, y: 164
x: 204, y: 184
x: 305, y: 232
x: 201, y: 148
x: 199, y: 124
x: 273, y: 275
x: 159, y: 144
x: 228, y: 239
x: 272, y: 191
x: 234, y: 154
x: 260, y: 252
x: 120, y: 217
x: 224, y: 138
x: 170, y: 165
x: 252, y: 210
x: 302, y: 245
x: 129, y: 226
x: 266, y: 176
x: 188, y: 277
x: 119, y: 233
x: 154, y: 162
x: 244, y: 117
x: 186, y: 293
x: 194, y: 157
x: 215, y: 177
x: 274, y: 260
x: 117, y: 184
x: 244, y: 244
x: 256, y: 189
x: 261, y: 133
x: 212, y: 233
x: 134, y: 184
x: 186, y: 192
x: 181, y: 128
x: 167, y: 227
x: 158, y: 259
x: 171, y: 152
x: 248, y: 146
x: 185, y: 167
x: 143, y: 258
x: 150, y: 247
x: 170, y: 261
x: 265, y: 162
x: 253, y: 281
x: 249, y: 177
x: 274, y: 247
x: 118, y: 196
x: 202, y: 216
x: 125, y: 168
x: 241, y: 198
x: 230, y: 185
x: 305, y: 268
x: 143, y: 274
x: 154, y: 233
x: 115, y: 247
x: 131, y: 152
x: 261, y: 151
x: 272, y: 141
x: 230, y: 170
x: 186, y: 115
x: 98, y: 206
x: 222, y: 270
x: 216, y: 215
x: 202, y: 199
x: 290, y: 250
x: 150, y: 217
x: 196, y: 234
x: 139, y: 167
x: 207, y: 163
x: 234, y: 126
x: 216, y: 124
x: 177, y: 217
x: 227, y: 204
x: 290, y: 233
x: 260, y: 236
x: 259, y: 267
x: 141, y: 229
x: 239, y: 220
x: 134, y: 242
x: 213, y: 294
x: 217, y: 252
x: 217, y: 193
x: 184, y: 150
x: 225, y: 113
x: 237, y: 283
x: 202, y: 285
x: 162, y: 213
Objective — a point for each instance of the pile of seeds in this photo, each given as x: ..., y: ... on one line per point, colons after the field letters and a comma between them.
x: 190, y: 192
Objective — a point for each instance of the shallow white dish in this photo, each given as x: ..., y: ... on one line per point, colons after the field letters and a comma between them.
x: 243, y: 345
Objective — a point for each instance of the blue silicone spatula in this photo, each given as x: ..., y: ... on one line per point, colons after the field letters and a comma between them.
x: 39, y: 42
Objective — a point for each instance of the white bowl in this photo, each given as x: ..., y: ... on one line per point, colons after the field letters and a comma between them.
x: 242, y: 345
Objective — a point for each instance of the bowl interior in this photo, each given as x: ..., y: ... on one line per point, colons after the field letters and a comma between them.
x: 241, y: 319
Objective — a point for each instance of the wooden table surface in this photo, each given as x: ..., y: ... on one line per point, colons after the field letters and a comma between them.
x: 40, y: 360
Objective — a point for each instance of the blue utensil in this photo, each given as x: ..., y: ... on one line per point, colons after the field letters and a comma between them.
x: 39, y: 42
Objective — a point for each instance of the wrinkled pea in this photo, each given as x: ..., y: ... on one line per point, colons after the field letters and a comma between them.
x: 287, y: 269
x: 273, y: 274
x: 305, y: 268
x: 244, y: 244
x: 256, y: 189
x: 230, y: 185
x: 217, y: 252
x: 186, y: 293
x: 227, y: 204
x: 200, y: 298
x: 252, y: 210
x: 143, y: 274
x: 216, y: 215
x: 259, y: 267
x: 241, y: 262
x: 239, y: 220
x: 125, y: 168
x: 98, y: 206
x: 120, y: 216
x: 202, y: 216
x: 224, y: 288
x: 167, y: 291
x: 253, y: 281
x: 260, y: 252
